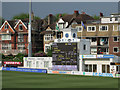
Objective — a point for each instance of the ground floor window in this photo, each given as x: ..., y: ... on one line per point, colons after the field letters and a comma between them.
x: 37, y: 63
x: 46, y: 64
x: 105, y: 68
x: 29, y: 63
x: 90, y: 68
x: 118, y: 68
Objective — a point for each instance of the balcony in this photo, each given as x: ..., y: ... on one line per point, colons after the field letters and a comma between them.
x: 13, y: 52
x: 102, y: 50
x: 103, y: 42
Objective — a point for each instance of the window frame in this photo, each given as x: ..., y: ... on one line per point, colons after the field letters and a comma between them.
x: 117, y: 50
x: 114, y: 28
x: 19, y: 27
x: 6, y: 26
x: 101, y: 27
x: 3, y: 37
x: 48, y: 36
x: 117, y: 39
x: 91, y: 29
x: 77, y: 27
x: 6, y: 45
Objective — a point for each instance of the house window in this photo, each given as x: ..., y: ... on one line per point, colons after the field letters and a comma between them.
x: 105, y: 68
x: 79, y: 28
x: 115, y: 49
x: 46, y: 64
x: 74, y: 35
x: 116, y: 39
x: 20, y: 27
x: 6, y: 37
x: 60, y: 25
x: 6, y: 26
x: 48, y: 37
x: 21, y: 46
x: 90, y: 68
x: 29, y: 63
x: 37, y: 64
x: 115, y: 27
x: 91, y: 28
x: 93, y: 50
x: 84, y: 47
x: 103, y: 28
x: 110, y: 19
x: 93, y: 40
x: 20, y: 38
x: 6, y: 46
x: 116, y: 18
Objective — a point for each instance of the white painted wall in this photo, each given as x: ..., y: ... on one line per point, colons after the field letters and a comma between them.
x: 39, y: 61
x: 107, y: 20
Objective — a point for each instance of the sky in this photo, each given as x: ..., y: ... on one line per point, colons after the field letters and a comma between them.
x: 42, y: 9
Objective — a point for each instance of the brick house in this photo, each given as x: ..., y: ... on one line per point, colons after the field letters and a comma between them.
x: 50, y: 33
x: 14, y: 36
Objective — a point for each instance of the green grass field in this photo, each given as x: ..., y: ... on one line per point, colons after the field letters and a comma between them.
x: 36, y: 80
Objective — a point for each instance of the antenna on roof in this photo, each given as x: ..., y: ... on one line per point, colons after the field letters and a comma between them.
x: 29, y: 31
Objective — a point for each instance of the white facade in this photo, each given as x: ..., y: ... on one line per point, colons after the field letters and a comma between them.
x: 97, y: 63
x: 38, y: 62
x: 115, y: 18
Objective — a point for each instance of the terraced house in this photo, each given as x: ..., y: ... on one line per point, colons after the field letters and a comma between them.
x: 14, y: 36
x: 104, y: 35
x: 51, y: 32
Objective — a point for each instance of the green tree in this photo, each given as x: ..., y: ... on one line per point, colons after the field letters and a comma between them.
x: 1, y: 21
x: 23, y: 16
x: 57, y: 16
x: 96, y: 17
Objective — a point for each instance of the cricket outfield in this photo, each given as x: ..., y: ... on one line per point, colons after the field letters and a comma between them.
x: 12, y: 79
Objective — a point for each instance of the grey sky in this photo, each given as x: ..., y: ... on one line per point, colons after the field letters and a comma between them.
x: 42, y: 9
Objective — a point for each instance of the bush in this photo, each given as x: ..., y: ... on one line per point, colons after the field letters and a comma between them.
x: 40, y: 54
x: 49, y: 54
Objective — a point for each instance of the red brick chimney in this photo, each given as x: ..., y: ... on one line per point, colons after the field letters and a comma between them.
x: 83, y: 13
x: 60, y: 15
x: 76, y: 13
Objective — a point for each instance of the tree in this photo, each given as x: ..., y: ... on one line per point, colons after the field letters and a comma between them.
x: 96, y: 17
x: 23, y: 16
x: 1, y: 21
x: 49, y: 54
x: 57, y: 16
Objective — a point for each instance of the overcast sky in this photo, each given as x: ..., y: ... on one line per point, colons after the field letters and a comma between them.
x: 42, y: 9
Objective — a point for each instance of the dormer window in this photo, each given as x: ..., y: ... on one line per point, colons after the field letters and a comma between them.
x: 60, y: 25
x: 6, y: 26
x: 20, y: 27
x: 110, y: 19
x: 74, y: 35
x: 116, y: 18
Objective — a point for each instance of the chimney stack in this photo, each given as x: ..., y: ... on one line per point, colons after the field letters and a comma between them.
x: 32, y: 16
x: 60, y: 15
x: 76, y: 13
x: 83, y: 13
x: 50, y: 18
x: 101, y: 14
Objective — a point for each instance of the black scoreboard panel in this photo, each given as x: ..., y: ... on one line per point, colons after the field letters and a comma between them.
x: 64, y: 53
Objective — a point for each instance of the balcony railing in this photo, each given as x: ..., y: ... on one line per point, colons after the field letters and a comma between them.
x: 13, y: 52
